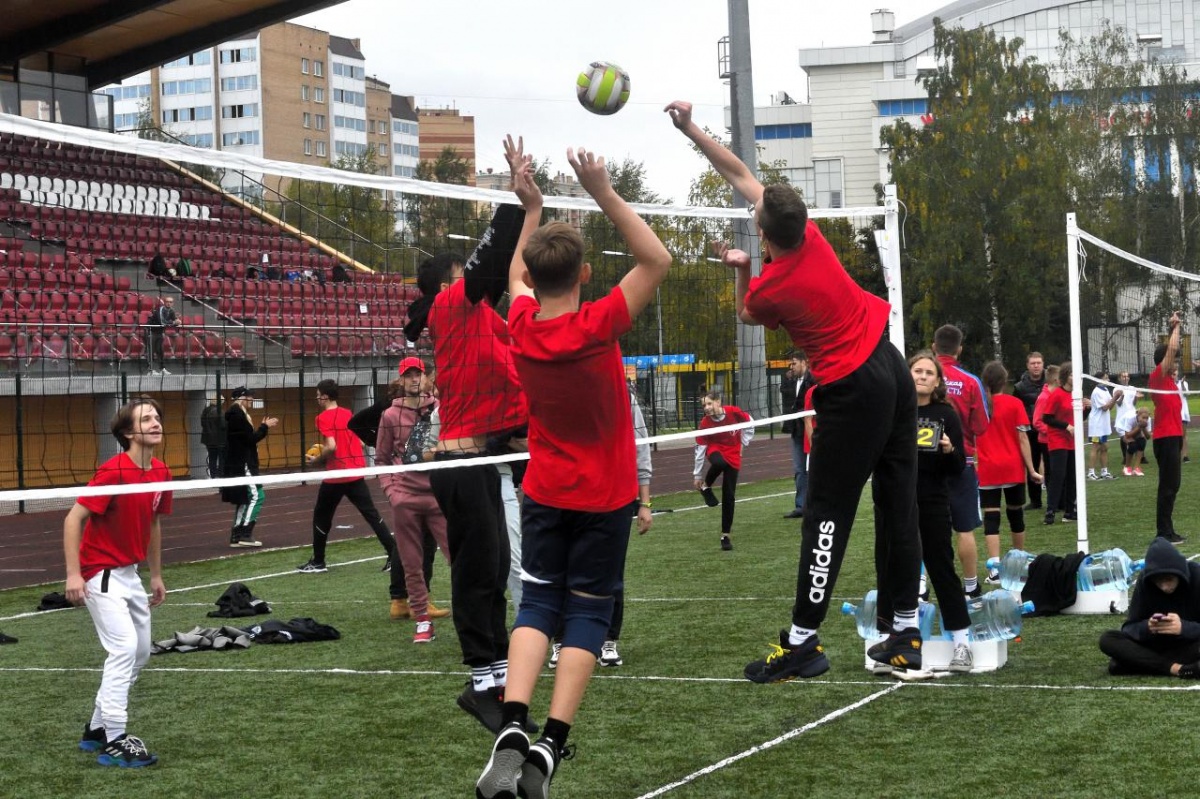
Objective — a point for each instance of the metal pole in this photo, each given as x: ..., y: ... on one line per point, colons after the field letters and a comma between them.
x: 751, y: 339
x: 889, y: 256
x: 1077, y: 384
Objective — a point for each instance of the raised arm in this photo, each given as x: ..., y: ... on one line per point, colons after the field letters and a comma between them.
x: 520, y: 170
x: 652, y: 262
x: 728, y: 165
x: 1168, y: 361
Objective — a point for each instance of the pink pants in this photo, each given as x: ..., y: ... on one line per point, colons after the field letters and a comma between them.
x: 412, y: 515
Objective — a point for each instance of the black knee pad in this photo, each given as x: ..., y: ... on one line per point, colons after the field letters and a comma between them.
x: 1016, y: 519
x: 541, y: 607
x: 586, y: 622
x: 991, y: 522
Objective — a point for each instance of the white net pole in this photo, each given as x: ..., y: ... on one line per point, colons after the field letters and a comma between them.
x: 888, y: 242
x: 1077, y: 385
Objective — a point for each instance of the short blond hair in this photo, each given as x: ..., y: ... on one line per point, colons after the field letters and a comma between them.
x: 554, y: 255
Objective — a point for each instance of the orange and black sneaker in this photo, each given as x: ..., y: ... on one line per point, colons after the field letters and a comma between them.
x: 788, y: 661
x: 901, y: 649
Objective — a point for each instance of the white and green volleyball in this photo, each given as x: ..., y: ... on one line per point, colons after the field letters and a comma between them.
x: 603, y: 88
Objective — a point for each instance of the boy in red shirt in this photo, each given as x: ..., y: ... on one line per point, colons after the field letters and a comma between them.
x: 1059, y: 418
x: 724, y: 454
x: 104, y: 539
x: 867, y: 405
x: 1168, y: 431
x: 341, y: 449
x: 582, y: 481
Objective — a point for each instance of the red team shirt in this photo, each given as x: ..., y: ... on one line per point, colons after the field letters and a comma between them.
x: 581, y: 451
x: 966, y: 394
x: 1168, y: 408
x: 117, y: 533
x: 998, y: 450
x: 335, y: 423
x: 729, y: 443
x: 827, y: 314
x: 476, y: 376
x: 1058, y: 405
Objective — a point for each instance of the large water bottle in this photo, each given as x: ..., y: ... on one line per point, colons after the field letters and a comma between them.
x: 996, y: 615
x: 865, y: 616
x: 1110, y: 570
x: 1014, y: 569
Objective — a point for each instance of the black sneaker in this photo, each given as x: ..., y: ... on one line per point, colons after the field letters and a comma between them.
x: 726, y: 544
x: 503, y: 769
x: 973, y: 594
x: 902, y: 650
x: 1070, y: 517
x: 1190, y: 671
x: 126, y: 752
x: 1174, y: 537
x: 387, y: 564
x: 531, y: 726
x: 92, y: 740
x: 1034, y: 506
x: 710, y: 499
x: 788, y: 661
x: 539, y: 768
x: 796, y: 514
x: 312, y: 567
x: 1048, y: 518
x: 484, y: 705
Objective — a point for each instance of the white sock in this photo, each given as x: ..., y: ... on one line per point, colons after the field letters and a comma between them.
x: 481, y: 678
x: 960, y: 637
x: 970, y: 583
x: 798, y: 635
x: 500, y: 673
x: 903, y: 620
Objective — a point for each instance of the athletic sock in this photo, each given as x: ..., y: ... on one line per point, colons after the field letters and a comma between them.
x: 500, y: 673
x: 557, y: 731
x: 481, y: 678
x: 970, y: 583
x: 960, y: 636
x: 798, y: 635
x: 514, y: 711
x: 904, y: 619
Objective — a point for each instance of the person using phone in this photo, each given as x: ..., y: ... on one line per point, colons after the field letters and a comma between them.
x: 1161, y: 634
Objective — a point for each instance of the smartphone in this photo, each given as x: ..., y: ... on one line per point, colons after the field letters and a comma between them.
x: 1158, y: 617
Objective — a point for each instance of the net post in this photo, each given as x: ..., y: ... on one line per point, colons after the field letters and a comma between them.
x: 1078, y: 367
x: 887, y: 242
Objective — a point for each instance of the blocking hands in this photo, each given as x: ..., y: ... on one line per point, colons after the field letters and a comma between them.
x: 520, y: 170
x: 737, y: 259
x: 590, y: 170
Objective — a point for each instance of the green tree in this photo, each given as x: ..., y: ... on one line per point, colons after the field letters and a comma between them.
x: 430, y: 221
x: 986, y: 185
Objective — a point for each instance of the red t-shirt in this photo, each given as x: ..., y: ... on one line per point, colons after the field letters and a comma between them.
x: 808, y: 406
x: 729, y: 443
x: 998, y: 450
x: 335, y: 423
x: 581, y: 451
x: 1058, y: 405
x: 117, y: 533
x: 966, y: 394
x: 477, y: 379
x: 1168, y: 408
x: 826, y: 313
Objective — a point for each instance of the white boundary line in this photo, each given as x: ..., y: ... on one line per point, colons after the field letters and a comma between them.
x: 754, y: 750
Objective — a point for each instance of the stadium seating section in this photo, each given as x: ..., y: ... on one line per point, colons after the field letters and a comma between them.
x: 78, y: 228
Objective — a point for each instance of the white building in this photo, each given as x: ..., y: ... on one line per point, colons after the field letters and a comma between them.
x: 831, y: 143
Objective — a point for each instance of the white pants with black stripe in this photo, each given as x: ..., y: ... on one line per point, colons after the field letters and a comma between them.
x: 120, y: 610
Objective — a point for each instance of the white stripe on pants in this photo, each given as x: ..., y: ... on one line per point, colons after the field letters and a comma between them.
x: 122, y: 619
x: 512, y: 518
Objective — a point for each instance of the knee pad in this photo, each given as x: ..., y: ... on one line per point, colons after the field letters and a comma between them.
x: 586, y: 622
x: 1016, y: 519
x: 541, y: 607
x: 991, y: 522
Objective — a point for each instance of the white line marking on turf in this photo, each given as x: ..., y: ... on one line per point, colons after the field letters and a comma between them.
x: 754, y: 750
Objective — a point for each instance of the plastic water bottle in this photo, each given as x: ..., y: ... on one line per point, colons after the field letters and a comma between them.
x: 996, y: 616
x: 1014, y: 569
x: 864, y: 616
x: 1110, y: 570
x: 927, y: 614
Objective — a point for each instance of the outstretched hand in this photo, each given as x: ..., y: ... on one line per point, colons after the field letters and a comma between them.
x: 520, y: 170
x: 738, y: 259
x: 681, y: 113
x: 590, y: 170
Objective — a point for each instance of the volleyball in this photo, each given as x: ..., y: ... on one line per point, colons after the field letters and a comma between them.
x: 603, y: 88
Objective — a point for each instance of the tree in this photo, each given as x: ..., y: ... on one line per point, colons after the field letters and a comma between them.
x: 430, y: 221
x: 986, y: 186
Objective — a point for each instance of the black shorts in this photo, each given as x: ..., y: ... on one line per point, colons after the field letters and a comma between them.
x: 580, y: 551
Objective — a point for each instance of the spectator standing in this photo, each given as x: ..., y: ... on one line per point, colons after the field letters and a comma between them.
x: 1185, y: 411
x: 213, y: 434
x: 1099, y: 429
x: 241, y: 460
x: 793, y: 387
x: 161, y: 319
x: 723, y: 452
x: 1126, y: 416
x: 1058, y: 415
x: 1028, y: 389
x: 1168, y: 431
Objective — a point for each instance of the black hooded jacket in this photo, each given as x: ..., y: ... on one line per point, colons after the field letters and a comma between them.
x: 1163, y: 558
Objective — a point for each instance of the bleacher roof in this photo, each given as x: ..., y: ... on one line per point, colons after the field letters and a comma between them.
x: 119, y: 38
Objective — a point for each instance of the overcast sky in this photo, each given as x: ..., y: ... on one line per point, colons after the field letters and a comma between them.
x: 512, y: 65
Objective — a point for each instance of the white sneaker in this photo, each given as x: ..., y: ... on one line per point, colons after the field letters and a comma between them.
x: 993, y: 577
x: 554, y: 654
x: 962, y: 661
x: 1092, y: 476
x: 165, y: 372
x: 609, y: 655
x: 1107, y: 475
x: 155, y: 372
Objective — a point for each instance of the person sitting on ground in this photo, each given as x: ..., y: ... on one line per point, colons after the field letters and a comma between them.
x: 1161, y: 634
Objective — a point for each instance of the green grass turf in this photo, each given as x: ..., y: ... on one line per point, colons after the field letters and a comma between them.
x: 373, y: 715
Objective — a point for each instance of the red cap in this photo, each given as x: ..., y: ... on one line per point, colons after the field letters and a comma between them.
x: 412, y: 363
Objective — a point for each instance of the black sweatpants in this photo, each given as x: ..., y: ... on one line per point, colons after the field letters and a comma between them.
x: 329, y: 496
x: 1133, y: 657
x: 868, y: 425
x: 717, y: 465
x: 1038, y: 453
x: 1168, y: 452
x: 397, y: 587
x: 1060, y: 481
x: 469, y: 496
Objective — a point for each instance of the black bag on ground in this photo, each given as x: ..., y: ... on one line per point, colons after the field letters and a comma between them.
x: 236, y: 602
x: 1052, y: 583
x: 54, y: 601
x: 293, y: 631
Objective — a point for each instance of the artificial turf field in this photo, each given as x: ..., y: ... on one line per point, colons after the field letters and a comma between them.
x: 374, y: 715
